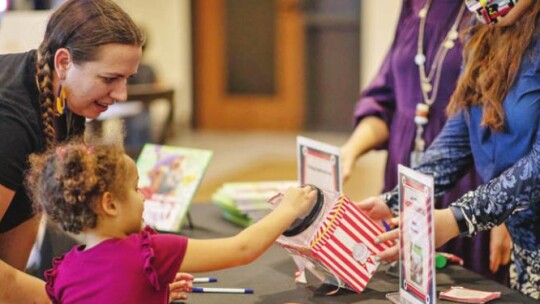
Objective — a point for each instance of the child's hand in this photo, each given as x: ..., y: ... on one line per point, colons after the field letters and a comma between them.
x: 300, y: 200
x: 181, y: 284
x: 375, y: 207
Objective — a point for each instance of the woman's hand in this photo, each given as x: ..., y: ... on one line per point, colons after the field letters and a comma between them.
x: 391, y: 254
x: 500, y: 245
x: 445, y: 229
x: 377, y: 209
x: 368, y: 134
x: 180, y: 286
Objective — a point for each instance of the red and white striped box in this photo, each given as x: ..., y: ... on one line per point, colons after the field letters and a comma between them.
x: 339, y: 246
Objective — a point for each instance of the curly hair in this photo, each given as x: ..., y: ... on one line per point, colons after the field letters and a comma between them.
x: 81, y: 26
x: 67, y: 181
x: 492, y: 58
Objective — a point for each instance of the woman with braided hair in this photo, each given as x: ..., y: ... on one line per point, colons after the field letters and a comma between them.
x: 89, y: 50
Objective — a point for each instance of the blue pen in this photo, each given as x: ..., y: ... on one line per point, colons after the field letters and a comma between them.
x: 221, y: 290
x: 205, y: 280
x: 386, y: 226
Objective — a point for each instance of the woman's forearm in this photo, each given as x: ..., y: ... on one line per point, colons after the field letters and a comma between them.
x: 20, y: 287
x: 371, y: 132
x: 446, y: 227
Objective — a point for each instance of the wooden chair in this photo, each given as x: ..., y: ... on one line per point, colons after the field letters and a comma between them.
x: 150, y: 93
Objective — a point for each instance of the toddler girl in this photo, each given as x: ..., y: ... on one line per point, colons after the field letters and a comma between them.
x: 93, y: 190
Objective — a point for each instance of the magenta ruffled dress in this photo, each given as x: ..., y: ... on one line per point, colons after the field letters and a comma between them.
x: 135, y: 269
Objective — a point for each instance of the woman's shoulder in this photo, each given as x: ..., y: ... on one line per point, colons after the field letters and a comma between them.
x: 17, y: 64
x: 19, y: 96
x: 531, y: 59
x: 20, y: 121
x: 17, y: 76
x: 17, y: 58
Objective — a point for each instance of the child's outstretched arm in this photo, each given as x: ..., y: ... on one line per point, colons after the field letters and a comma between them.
x: 246, y: 246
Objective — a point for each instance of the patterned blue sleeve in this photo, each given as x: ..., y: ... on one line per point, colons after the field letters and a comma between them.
x: 447, y: 159
x: 514, y: 190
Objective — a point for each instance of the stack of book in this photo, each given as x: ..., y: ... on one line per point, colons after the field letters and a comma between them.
x: 244, y: 203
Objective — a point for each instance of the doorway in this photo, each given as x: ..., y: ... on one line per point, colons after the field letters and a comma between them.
x: 248, y: 65
x: 281, y: 65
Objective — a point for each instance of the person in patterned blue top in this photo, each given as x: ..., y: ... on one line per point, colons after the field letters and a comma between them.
x: 494, y: 126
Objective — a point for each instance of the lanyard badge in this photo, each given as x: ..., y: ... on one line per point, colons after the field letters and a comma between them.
x: 490, y: 11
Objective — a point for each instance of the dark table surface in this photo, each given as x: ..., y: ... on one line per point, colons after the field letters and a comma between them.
x: 272, y: 275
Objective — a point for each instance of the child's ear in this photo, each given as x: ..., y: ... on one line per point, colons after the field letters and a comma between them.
x: 108, y: 204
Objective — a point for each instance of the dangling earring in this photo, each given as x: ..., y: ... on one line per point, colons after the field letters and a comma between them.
x: 61, y: 101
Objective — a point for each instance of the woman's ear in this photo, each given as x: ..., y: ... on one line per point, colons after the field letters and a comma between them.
x: 62, y: 62
x: 108, y: 205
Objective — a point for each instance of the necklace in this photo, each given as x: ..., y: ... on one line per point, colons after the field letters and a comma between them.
x: 429, y: 81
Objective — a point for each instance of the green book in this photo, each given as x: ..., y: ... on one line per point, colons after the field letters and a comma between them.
x: 240, y: 220
x: 244, y: 203
x: 226, y: 204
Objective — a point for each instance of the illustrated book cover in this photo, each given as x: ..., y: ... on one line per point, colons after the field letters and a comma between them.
x: 169, y: 178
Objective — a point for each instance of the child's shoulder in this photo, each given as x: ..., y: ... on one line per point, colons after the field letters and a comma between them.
x: 164, y: 244
x: 150, y: 237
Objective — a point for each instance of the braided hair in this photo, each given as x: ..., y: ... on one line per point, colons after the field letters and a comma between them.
x: 81, y: 26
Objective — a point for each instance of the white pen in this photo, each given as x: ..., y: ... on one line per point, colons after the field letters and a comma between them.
x: 221, y: 290
x: 204, y: 280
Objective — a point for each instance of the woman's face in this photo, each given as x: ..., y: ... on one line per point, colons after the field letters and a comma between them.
x: 93, y: 86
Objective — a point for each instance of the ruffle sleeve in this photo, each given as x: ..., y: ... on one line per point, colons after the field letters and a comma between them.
x: 162, y: 254
x: 50, y: 277
x: 148, y: 254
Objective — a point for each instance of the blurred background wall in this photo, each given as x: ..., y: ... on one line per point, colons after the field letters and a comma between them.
x: 170, y: 23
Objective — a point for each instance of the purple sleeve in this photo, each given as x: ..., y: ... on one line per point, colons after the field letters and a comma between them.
x: 378, y: 98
